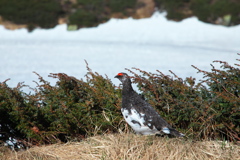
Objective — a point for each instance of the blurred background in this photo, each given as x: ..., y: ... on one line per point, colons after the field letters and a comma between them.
x: 88, y: 13
x: 52, y: 36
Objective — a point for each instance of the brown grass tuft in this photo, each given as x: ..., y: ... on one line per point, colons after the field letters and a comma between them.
x: 130, y: 147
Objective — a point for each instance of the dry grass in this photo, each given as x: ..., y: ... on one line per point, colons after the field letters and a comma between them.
x: 129, y: 147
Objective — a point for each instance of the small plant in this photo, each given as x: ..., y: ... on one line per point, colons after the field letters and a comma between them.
x: 76, y: 108
x: 208, y: 110
x: 44, y: 13
x: 70, y: 110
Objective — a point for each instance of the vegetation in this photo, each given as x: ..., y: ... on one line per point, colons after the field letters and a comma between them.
x: 176, y: 9
x: 70, y: 110
x: 91, y: 13
x: 121, y: 5
x: 74, y: 108
x: 38, y: 13
x: 88, y: 13
x: 210, y: 11
x: 130, y: 147
x: 209, y: 109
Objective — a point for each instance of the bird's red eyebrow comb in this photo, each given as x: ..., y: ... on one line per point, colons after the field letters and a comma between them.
x: 120, y: 74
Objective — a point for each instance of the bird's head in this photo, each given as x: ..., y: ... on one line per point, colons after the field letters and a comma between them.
x: 122, y: 77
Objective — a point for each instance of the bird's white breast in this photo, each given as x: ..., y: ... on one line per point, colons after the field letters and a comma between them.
x: 137, y: 122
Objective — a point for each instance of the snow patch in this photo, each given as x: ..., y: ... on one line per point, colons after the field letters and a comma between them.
x: 149, y: 44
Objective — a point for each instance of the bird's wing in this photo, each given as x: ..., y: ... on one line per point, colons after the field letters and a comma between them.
x: 151, y: 117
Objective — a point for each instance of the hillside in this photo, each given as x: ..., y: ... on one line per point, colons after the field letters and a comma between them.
x: 130, y: 147
x: 82, y: 13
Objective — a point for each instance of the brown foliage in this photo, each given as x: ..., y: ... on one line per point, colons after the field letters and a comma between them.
x: 131, y: 147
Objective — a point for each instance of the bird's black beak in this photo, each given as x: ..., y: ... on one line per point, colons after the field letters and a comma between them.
x: 117, y: 76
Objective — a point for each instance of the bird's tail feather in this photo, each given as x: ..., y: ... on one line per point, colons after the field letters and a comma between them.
x: 176, y: 133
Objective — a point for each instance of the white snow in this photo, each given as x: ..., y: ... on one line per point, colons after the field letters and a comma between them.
x: 149, y: 44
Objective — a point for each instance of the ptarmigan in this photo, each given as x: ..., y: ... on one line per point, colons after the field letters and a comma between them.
x: 139, y: 114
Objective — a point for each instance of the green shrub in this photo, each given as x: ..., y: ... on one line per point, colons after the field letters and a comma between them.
x: 209, y: 11
x: 83, y: 18
x: 70, y: 110
x: 17, y: 113
x: 93, y: 12
x: 89, y: 13
x: 206, y: 110
x: 206, y: 10
x: 224, y: 86
x: 121, y: 5
x: 75, y: 108
x: 175, y: 8
x: 42, y: 13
